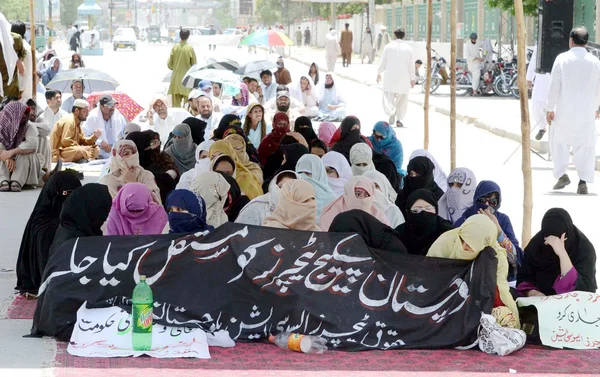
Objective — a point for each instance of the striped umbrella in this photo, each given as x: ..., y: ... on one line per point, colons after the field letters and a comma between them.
x: 267, y: 38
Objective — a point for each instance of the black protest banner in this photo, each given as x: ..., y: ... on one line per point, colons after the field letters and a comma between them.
x: 256, y: 281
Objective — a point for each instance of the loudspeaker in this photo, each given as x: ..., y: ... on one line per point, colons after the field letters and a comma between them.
x: 555, y: 22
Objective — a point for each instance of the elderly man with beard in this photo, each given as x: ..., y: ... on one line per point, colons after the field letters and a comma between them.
x: 77, y: 88
x: 284, y: 104
x: 207, y: 114
x: 163, y: 118
x: 332, y: 107
x: 107, y: 119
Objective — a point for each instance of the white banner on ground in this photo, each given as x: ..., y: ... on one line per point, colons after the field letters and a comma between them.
x: 569, y: 320
x: 107, y: 332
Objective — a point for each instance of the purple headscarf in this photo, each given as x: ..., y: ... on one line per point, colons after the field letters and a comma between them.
x: 245, y: 96
x: 12, y: 129
x: 134, y: 212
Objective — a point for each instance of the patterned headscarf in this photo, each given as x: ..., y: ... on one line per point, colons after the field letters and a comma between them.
x: 13, y: 124
x: 245, y: 96
x: 457, y: 200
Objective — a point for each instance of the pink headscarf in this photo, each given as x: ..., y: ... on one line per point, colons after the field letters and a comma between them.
x: 245, y: 96
x: 134, y: 212
x: 326, y: 131
x: 349, y: 201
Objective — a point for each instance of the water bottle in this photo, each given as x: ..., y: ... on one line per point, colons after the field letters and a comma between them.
x: 299, y: 343
x: 143, y: 304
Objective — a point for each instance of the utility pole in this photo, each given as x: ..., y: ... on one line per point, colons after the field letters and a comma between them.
x: 135, y: 14
x: 333, y: 14
x: 49, y: 24
x: 371, y: 16
x: 32, y: 40
x: 110, y: 29
x: 460, y: 20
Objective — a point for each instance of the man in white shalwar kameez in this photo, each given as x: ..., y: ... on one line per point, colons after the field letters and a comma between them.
x: 107, y: 119
x: 573, y: 102
x: 539, y: 96
x: 332, y: 49
x: 162, y: 118
x: 398, y: 68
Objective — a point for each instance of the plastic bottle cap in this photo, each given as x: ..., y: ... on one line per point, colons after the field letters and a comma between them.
x: 272, y: 338
x: 142, y: 277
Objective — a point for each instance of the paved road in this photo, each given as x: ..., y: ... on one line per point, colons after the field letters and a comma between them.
x: 141, y: 73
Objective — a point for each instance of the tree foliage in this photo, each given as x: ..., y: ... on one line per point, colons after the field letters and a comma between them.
x: 15, y: 9
x: 68, y: 11
x: 529, y: 6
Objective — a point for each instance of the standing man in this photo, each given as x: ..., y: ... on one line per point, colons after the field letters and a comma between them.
x: 346, y: 46
x: 307, y: 37
x: 540, y: 82
x: 282, y: 75
x: 9, y: 60
x: 573, y: 103
x: 474, y: 60
x: 212, y: 31
x: 299, y: 37
x: 181, y: 60
x: 397, y: 66
x: 26, y: 75
x: 367, y: 47
x: 108, y: 120
x: 77, y: 88
x: 383, y: 38
x: 332, y: 49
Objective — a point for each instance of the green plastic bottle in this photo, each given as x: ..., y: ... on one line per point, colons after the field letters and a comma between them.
x: 143, y: 303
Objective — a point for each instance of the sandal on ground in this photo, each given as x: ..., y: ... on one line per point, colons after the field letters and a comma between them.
x: 4, y: 186
x: 15, y: 186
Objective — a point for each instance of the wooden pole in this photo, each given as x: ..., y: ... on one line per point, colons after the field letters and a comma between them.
x: 428, y: 77
x: 32, y: 38
x: 525, y: 127
x: 453, y: 42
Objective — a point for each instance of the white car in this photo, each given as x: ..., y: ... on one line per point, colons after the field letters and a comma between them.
x: 124, y: 38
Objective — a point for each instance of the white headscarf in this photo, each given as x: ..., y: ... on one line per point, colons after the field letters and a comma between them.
x: 455, y: 201
x: 336, y: 92
x: 439, y: 175
x: 385, y: 198
x: 214, y: 189
x: 337, y: 161
x: 315, y: 91
x: 201, y: 166
x: 10, y: 56
x: 361, y: 153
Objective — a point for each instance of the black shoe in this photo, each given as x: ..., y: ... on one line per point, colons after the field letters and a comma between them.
x: 563, y: 182
x: 582, y: 189
x: 540, y: 134
x: 399, y: 124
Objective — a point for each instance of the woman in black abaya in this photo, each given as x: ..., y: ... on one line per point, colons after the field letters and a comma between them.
x: 419, y: 176
x: 40, y: 230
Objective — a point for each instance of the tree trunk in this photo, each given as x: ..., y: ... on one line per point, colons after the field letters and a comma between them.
x: 428, y: 77
x: 453, y: 43
x: 525, y: 128
x: 32, y: 40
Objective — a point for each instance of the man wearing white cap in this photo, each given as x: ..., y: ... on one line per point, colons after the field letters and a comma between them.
x: 383, y: 38
x: 192, y: 105
x: 106, y: 118
x: 67, y: 139
x: 163, y: 118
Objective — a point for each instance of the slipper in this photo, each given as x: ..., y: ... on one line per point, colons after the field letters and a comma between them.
x: 15, y: 186
x: 399, y: 124
x: 4, y: 186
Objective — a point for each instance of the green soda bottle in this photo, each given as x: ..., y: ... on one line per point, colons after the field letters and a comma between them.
x: 143, y: 303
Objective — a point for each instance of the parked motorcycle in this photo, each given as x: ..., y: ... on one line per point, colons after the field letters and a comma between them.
x: 438, y: 72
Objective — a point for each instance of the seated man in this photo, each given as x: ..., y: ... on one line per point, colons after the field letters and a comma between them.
x: 164, y: 118
x: 332, y: 107
x: 20, y: 165
x: 192, y: 105
x: 272, y: 104
x: 208, y: 114
x: 108, y: 120
x: 268, y: 86
x: 53, y: 112
x: 283, y: 106
x: 94, y: 44
x: 77, y: 88
x: 67, y: 140
x: 256, y: 90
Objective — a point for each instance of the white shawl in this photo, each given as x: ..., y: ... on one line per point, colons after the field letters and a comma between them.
x: 10, y: 56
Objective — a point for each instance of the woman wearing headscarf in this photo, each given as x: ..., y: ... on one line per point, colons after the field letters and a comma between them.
x: 384, y: 141
x: 270, y: 144
x: 239, y: 147
x: 182, y: 149
x: 223, y: 164
x: 239, y: 102
x: 308, y: 94
x: 197, y: 129
x: 125, y: 168
x: 134, y: 213
x: 263, y: 206
x: 202, y: 165
x: 131, y: 127
x: 466, y: 242
x: 349, y: 135
x: 361, y: 159
x: 83, y: 214
x: 386, y: 166
x: 488, y: 199
x: 313, y: 72
x: 230, y: 124
x: 558, y: 259
x: 20, y: 164
x: 439, y: 175
x: 40, y: 230
x: 235, y: 199
x: 326, y: 131
x: 459, y: 196
x: 385, y: 198
x: 375, y: 233
x: 318, y: 148
x: 338, y: 171
x: 423, y: 226
x: 291, y: 155
x: 227, y: 121
x: 245, y: 178
x: 255, y: 126
x: 359, y: 193
x: 296, y: 208
x: 214, y: 189
x: 54, y: 66
x: 303, y: 125
x: 274, y: 162
x: 420, y: 176
x: 187, y: 212
x: 311, y: 169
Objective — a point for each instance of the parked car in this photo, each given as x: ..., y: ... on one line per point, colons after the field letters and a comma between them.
x: 124, y: 38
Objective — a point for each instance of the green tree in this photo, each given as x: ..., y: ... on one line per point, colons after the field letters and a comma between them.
x: 15, y: 9
x: 529, y: 6
x: 68, y: 11
x: 269, y: 11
